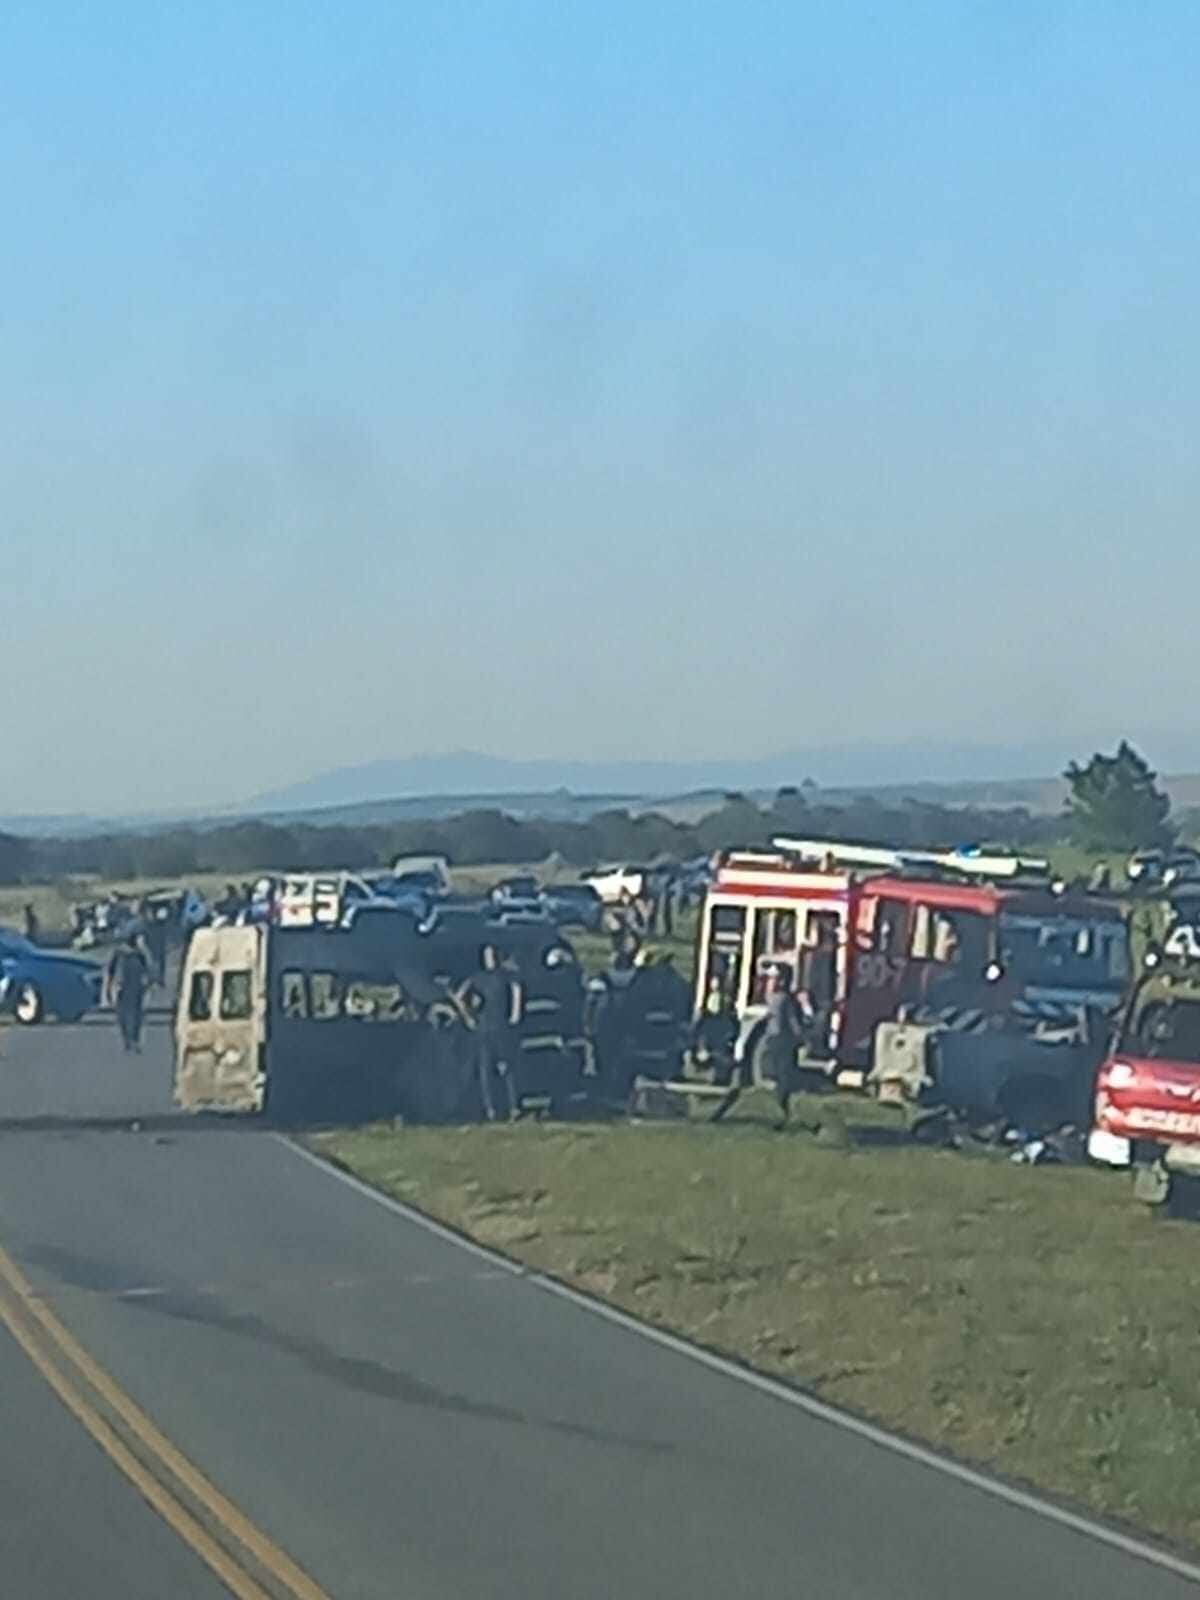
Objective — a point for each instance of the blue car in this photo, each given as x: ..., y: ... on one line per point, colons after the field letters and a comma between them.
x: 36, y: 983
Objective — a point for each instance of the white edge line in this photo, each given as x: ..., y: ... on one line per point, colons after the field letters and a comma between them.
x: 775, y: 1387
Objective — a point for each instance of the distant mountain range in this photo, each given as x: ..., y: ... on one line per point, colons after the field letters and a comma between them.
x: 441, y: 785
x: 847, y: 766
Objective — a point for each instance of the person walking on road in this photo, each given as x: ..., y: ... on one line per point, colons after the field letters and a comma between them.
x: 128, y: 978
x: 33, y: 928
x: 498, y: 1000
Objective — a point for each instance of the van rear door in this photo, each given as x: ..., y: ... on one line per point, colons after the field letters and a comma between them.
x: 220, y: 1022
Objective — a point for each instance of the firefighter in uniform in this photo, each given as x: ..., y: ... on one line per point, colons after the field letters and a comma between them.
x: 658, y: 1005
x: 552, y: 1048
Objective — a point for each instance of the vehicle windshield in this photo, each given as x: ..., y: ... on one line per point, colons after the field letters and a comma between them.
x: 1064, y: 952
x: 1164, y: 1029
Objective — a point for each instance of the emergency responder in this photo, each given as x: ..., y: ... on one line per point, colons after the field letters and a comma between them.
x: 819, y: 970
x: 658, y: 1011
x: 497, y: 992
x: 607, y: 1018
x: 563, y: 983
x: 128, y: 976
x: 553, y: 1028
x: 783, y: 1035
x: 714, y: 1044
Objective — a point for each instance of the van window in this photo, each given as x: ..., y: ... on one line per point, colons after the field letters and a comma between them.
x: 236, y: 995
x: 200, y: 997
x: 293, y: 995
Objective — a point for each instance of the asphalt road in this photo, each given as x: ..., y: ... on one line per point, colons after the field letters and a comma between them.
x: 407, y: 1419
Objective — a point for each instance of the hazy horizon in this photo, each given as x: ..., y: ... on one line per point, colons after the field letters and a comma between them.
x: 611, y: 381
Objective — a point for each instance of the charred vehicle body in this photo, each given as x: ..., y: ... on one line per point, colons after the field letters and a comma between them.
x: 348, y: 1023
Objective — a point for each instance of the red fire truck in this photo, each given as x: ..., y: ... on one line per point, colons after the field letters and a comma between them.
x: 960, y: 938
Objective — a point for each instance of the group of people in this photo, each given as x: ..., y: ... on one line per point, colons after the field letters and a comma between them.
x: 649, y: 915
x: 532, y: 1020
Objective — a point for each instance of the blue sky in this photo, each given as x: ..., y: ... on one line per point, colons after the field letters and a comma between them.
x: 570, y: 380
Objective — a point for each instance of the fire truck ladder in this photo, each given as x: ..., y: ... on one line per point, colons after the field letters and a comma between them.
x: 967, y: 860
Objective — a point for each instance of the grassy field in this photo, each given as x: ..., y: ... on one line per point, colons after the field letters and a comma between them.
x: 1035, y: 1320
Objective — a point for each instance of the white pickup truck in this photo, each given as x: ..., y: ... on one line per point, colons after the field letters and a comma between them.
x: 617, y: 884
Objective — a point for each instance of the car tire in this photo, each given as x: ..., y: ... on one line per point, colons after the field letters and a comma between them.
x: 28, y: 1007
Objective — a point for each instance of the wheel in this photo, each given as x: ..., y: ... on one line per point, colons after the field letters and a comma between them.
x: 28, y: 1008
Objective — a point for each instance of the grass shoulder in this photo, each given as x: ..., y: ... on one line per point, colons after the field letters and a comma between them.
x: 1033, y: 1320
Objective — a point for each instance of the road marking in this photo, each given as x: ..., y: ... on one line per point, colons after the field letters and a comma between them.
x: 224, y: 1513
x: 1010, y: 1494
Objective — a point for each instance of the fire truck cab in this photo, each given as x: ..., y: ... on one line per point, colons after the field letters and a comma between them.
x: 959, y: 940
x: 1147, y: 1105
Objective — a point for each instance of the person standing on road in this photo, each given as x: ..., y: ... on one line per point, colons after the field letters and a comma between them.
x: 33, y: 928
x: 498, y: 999
x: 155, y: 939
x: 128, y: 978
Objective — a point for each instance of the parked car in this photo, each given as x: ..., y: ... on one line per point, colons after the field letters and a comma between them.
x: 520, y: 893
x: 1182, y: 866
x: 415, y: 892
x: 37, y: 983
x: 326, y: 900
x: 1148, y: 869
x: 430, y: 873
x: 1145, y: 868
x: 616, y: 885
x: 573, y: 905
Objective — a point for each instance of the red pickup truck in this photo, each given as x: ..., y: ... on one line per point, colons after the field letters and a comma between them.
x: 1147, y: 1105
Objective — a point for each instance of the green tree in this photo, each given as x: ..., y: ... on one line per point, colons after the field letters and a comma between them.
x: 1115, y: 802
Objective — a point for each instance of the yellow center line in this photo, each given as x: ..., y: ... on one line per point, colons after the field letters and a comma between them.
x: 269, y: 1556
x: 238, y: 1582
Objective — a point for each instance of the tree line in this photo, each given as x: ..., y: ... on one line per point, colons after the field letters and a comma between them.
x: 1115, y: 803
x: 491, y: 835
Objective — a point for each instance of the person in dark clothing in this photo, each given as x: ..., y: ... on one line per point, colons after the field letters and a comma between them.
x: 33, y: 928
x: 658, y: 1010
x: 497, y: 993
x: 670, y: 890
x: 607, y: 1020
x: 819, y: 970
x: 155, y: 939
x: 553, y: 1054
x: 128, y: 978
x: 714, y: 1044
x: 782, y: 1037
